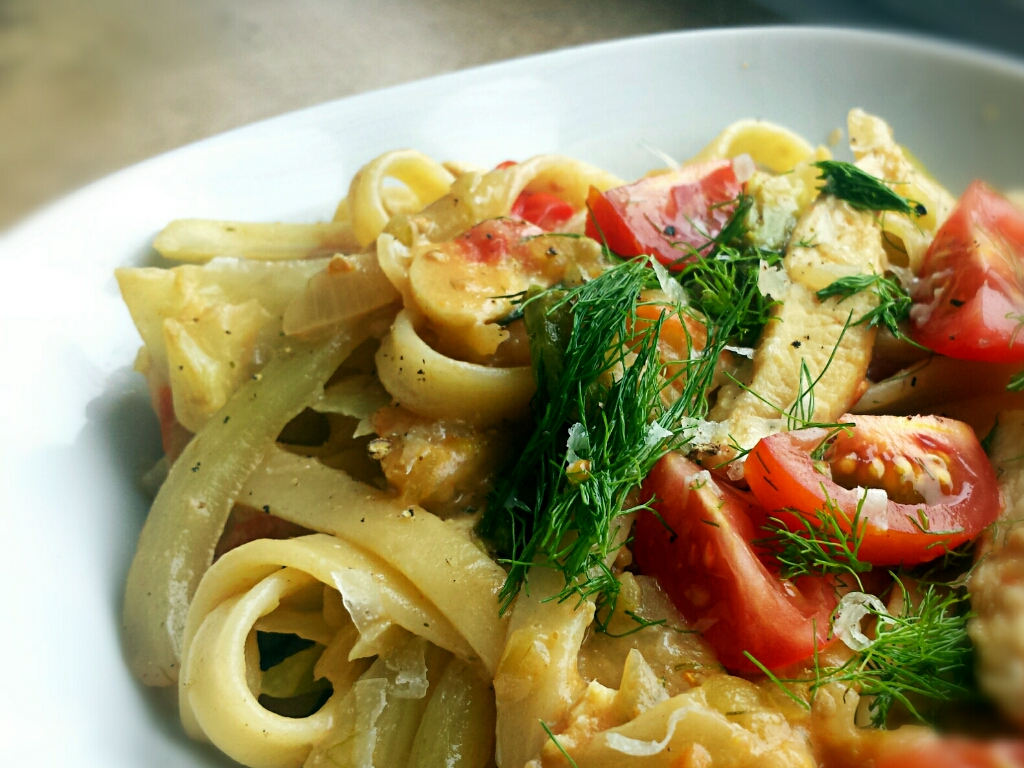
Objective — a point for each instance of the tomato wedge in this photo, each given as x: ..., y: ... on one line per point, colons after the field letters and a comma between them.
x: 969, y: 303
x: 668, y: 215
x: 940, y: 489
x: 547, y: 211
x: 709, y: 568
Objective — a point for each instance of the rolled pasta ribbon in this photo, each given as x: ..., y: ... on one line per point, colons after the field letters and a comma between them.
x: 431, y: 384
x: 216, y: 693
x: 217, y: 697
x: 447, y: 568
x: 770, y: 145
x: 367, y: 205
x: 477, y: 197
x: 188, y: 515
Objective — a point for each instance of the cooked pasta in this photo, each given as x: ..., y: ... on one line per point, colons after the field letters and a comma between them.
x: 493, y: 468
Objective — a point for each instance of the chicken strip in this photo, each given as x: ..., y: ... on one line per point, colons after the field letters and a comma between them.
x: 808, y: 338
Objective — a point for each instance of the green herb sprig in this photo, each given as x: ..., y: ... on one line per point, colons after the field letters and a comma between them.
x: 862, y: 190
x: 1016, y: 382
x: 822, y: 545
x: 600, y: 376
x: 558, y: 744
x: 725, y: 285
x: 894, y: 301
x: 924, y: 653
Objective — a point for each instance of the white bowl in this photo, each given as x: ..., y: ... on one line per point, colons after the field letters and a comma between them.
x: 76, y: 427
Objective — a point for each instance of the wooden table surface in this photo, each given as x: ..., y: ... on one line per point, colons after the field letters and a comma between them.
x: 91, y: 86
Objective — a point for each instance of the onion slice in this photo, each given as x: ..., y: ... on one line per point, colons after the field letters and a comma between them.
x: 350, y: 286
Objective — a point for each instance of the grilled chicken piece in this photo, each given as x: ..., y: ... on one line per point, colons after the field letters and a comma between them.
x: 997, y: 582
x: 831, y: 240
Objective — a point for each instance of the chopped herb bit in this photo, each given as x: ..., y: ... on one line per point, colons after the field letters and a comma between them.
x: 1016, y: 382
x: 561, y: 749
x: 862, y: 190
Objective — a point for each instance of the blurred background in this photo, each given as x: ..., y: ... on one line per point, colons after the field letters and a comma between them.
x: 91, y: 86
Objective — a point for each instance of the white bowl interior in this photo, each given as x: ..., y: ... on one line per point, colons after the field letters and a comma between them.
x: 77, y: 429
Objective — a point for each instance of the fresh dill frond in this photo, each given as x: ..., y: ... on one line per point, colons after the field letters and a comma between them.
x: 894, y: 301
x: 600, y: 383
x: 725, y: 285
x: 924, y: 652
x: 1016, y: 382
x: 862, y: 190
x: 780, y: 682
x: 735, y: 228
x: 802, y: 410
x: 987, y: 441
x: 601, y: 623
x: 823, y: 546
x: 923, y: 655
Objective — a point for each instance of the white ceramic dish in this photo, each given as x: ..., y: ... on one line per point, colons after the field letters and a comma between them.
x: 76, y: 429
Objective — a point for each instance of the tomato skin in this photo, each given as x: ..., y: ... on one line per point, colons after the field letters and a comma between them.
x: 688, y: 207
x: 715, y: 578
x: 494, y: 240
x: 953, y: 752
x: 969, y: 303
x: 547, y: 211
x: 783, y: 476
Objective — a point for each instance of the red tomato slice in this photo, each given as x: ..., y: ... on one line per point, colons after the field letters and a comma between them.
x: 953, y: 752
x: 970, y: 301
x: 547, y: 211
x: 934, y: 472
x: 668, y: 215
x: 712, y: 573
x: 495, y: 240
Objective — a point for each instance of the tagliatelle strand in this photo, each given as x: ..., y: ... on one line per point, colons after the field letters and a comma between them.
x: 186, y: 520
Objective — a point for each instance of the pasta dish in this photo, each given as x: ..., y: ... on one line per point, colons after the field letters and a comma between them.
x: 531, y: 466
